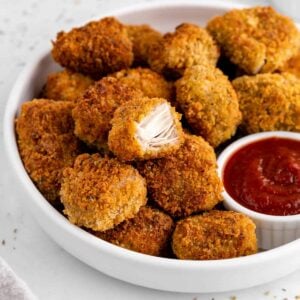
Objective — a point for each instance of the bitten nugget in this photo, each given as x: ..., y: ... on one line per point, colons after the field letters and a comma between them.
x: 96, y: 49
x: 292, y: 65
x: 256, y: 39
x: 189, y: 45
x: 66, y: 85
x: 214, y: 235
x: 148, y: 232
x: 150, y: 83
x: 99, y: 193
x: 142, y: 38
x: 144, y: 129
x: 47, y: 143
x: 94, y: 111
x: 269, y: 102
x: 209, y: 103
x: 185, y: 182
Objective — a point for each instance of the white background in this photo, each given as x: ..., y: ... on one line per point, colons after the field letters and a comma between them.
x: 25, y: 27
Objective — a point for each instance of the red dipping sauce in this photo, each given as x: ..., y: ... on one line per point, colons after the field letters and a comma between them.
x: 264, y: 176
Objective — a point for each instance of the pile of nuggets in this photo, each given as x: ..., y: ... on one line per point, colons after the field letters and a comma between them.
x: 124, y: 137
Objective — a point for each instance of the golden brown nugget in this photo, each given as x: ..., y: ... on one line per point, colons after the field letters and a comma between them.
x: 292, y: 65
x: 150, y: 83
x: 142, y: 37
x: 96, y: 49
x: 148, y: 232
x: 214, y: 235
x: 66, y: 85
x: 145, y: 129
x: 189, y: 45
x: 209, y: 103
x: 269, y: 102
x: 258, y: 40
x: 47, y: 143
x: 93, y: 112
x: 185, y: 182
x: 100, y: 193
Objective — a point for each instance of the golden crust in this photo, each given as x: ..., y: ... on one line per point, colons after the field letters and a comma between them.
x: 96, y: 49
x: 93, y: 112
x: 185, y: 182
x: 66, y: 85
x: 214, y: 235
x: 150, y: 83
x: 122, y: 139
x: 100, y: 193
x: 269, y: 102
x: 189, y: 45
x: 142, y: 37
x: 47, y: 143
x: 148, y: 232
x: 292, y: 65
x: 209, y: 103
x: 256, y: 39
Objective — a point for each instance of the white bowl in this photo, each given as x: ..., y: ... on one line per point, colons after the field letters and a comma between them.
x: 140, y: 269
x: 272, y: 231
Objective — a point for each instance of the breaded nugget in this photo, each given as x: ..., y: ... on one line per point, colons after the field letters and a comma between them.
x: 99, y: 193
x: 214, y: 235
x: 185, y: 182
x: 93, y: 112
x: 96, y: 49
x: 150, y: 83
x: 47, y: 143
x: 148, y: 232
x: 269, y: 102
x: 209, y: 103
x: 256, y: 39
x: 142, y: 37
x: 189, y: 45
x: 292, y: 65
x: 66, y: 85
x: 144, y: 129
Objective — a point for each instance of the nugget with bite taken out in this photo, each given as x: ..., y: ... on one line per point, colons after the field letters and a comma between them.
x: 145, y: 128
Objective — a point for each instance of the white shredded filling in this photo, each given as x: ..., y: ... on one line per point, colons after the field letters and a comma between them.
x: 157, y: 129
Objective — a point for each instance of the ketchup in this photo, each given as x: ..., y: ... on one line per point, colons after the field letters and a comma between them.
x: 264, y: 176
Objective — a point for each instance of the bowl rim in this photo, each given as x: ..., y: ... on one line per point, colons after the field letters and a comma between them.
x: 233, y: 148
x: 11, y: 109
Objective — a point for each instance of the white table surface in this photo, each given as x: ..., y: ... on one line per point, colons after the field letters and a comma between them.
x: 50, y: 272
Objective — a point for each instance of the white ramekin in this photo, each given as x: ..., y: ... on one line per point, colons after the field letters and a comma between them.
x: 272, y: 231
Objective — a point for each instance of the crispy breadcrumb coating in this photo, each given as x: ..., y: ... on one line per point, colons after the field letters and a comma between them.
x: 256, y: 39
x: 209, y: 103
x: 142, y: 37
x: 66, y: 85
x: 269, y: 102
x: 96, y: 49
x: 93, y: 112
x: 145, y: 129
x: 47, y: 143
x: 185, y: 182
x: 292, y: 65
x: 214, y: 235
x: 148, y: 232
x: 150, y: 83
x: 189, y: 45
x: 100, y: 193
